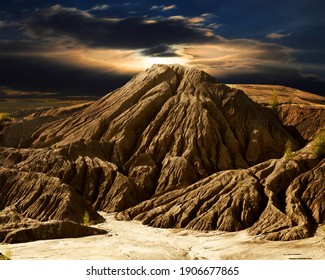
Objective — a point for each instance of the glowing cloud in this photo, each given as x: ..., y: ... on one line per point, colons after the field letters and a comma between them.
x: 100, y: 7
x: 277, y: 35
x: 229, y: 56
x: 102, y: 46
x: 163, y: 8
x: 169, y: 7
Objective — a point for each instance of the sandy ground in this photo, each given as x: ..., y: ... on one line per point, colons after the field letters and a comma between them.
x: 265, y: 94
x: 132, y: 240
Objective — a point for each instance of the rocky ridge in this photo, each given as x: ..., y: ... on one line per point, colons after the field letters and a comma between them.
x: 172, y: 148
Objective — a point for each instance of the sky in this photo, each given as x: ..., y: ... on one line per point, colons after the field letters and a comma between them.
x: 89, y: 48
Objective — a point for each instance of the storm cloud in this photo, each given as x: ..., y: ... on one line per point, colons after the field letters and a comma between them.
x: 162, y: 50
x: 51, y: 47
x: 276, y: 75
x: 126, y: 33
x: 31, y: 73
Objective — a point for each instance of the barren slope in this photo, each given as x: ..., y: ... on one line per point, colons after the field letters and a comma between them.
x: 303, y: 113
x: 198, y: 150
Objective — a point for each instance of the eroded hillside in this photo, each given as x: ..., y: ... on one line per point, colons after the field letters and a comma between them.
x: 173, y: 148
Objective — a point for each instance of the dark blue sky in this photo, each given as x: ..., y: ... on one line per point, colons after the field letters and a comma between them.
x: 92, y: 47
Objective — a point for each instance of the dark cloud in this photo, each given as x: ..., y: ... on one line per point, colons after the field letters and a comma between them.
x: 130, y: 33
x: 311, y: 57
x: 306, y: 38
x: 39, y: 74
x: 256, y: 19
x: 22, y: 46
x: 160, y: 51
x: 276, y: 75
x: 32, y: 29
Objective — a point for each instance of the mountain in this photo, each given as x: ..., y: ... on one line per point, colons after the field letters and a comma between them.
x: 172, y: 148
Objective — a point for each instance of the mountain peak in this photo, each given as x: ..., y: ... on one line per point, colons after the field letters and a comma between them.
x: 189, y: 73
x: 169, y: 132
x: 168, y: 111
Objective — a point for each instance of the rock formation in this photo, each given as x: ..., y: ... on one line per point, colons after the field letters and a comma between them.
x: 172, y: 148
x: 302, y: 113
x: 282, y: 199
x: 16, y: 228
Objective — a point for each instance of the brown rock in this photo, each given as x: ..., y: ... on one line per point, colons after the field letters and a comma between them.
x: 16, y: 228
x: 302, y: 113
x: 41, y: 197
x: 278, y: 199
x: 176, y: 149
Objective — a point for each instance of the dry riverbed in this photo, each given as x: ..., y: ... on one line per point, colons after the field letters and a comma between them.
x: 132, y: 241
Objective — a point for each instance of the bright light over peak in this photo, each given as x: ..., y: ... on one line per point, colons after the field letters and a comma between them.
x: 149, y: 61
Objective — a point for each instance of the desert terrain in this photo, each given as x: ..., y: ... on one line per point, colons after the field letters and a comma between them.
x: 134, y: 241
x: 18, y: 107
x: 173, y: 165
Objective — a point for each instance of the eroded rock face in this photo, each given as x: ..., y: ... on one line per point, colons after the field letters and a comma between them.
x: 16, y: 228
x: 281, y: 199
x: 179, y: 118
x: 41, y: 197
x: 302, y: 113
x: 173, y: 146
x: 302, y: 122
x: 92, y: 179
